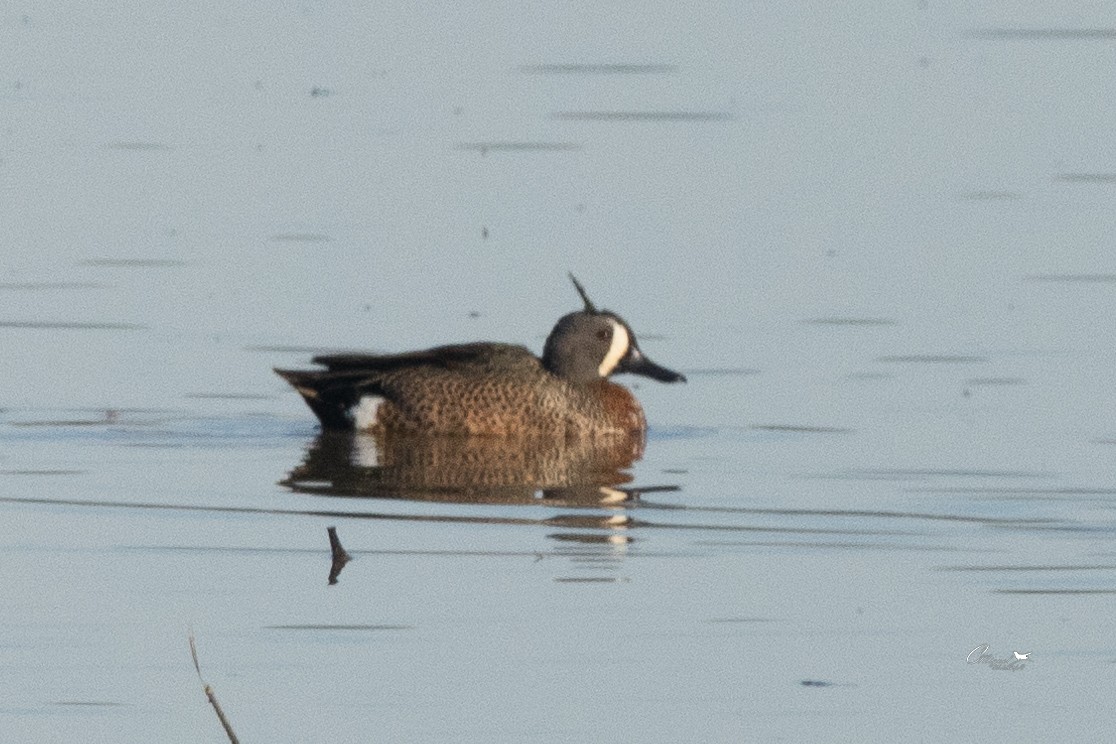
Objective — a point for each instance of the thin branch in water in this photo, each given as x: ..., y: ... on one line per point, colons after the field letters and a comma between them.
x: 340, y: 557
x: 210, y: 695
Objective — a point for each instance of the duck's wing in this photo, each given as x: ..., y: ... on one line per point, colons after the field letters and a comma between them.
x: 333, y: 393
x: 457, y: 356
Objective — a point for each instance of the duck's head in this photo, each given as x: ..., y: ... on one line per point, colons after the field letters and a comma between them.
x: 593, y: 344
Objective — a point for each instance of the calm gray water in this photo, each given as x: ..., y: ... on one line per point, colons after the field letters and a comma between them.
x: 877, y: 241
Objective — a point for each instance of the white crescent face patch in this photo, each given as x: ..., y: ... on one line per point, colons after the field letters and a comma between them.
x: 616, y: 350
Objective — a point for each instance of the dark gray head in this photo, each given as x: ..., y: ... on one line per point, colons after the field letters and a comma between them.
x: 592, y: 344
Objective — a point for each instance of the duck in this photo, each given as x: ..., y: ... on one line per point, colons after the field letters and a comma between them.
x: 490, y: 388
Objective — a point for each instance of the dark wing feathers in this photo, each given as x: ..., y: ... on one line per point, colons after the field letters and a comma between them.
x: 440, y: 356
x: 331, y: 393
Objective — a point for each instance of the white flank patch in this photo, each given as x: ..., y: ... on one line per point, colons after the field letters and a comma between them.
x: 364, y: 412
x: 612, y: 495
x: 365, y: 452
x: 616, y: 351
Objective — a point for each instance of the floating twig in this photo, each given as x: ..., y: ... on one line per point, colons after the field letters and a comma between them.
x: 210, y: 695
x: 340, y: 557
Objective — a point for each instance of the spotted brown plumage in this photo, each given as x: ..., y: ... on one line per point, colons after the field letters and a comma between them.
x: 490, y: 389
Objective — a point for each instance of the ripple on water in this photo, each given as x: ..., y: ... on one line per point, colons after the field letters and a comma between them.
x: 992, y: 381
x: 339, y: 627
x: 229, y: 396
x: 598, y: 69
x: 43, y: 472
x: 722, y: 372
x: 48, y: 286
x: 1055, y: 592
x: 1035, y: 568
x: 927, y: 473
x: 518, y: 146
x: 849, y: 321
x: 128, y: 263
x: 301, y: 238
x: 644, y: 116
x: 1073, y: 278
x: 801, y: 429
x: 137, y: 146
x: 296, y: 349
x: 931, y: 359
x: 35, y: 325
x: 1043, y: 34
x: 989, y: 195
x: 1101, y: 178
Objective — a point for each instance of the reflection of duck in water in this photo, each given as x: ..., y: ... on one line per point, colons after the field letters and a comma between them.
x: 491, y: 470
x: 490, y: 388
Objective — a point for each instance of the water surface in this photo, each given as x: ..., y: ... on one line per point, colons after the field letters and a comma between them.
x: 876, y: 241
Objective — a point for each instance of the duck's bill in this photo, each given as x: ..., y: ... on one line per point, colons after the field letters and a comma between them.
x: 637, y: 364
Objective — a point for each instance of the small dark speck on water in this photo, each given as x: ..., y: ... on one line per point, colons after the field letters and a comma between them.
x: 815, y: 683
x: 319, y: 91
x: 474, y: 314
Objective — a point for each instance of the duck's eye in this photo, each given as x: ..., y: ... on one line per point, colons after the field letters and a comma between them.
x: 604, y: 334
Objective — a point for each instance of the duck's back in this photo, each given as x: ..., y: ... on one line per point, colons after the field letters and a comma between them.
x: 474, y: 389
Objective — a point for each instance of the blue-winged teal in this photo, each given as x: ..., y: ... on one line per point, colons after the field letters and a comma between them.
x: 490, y: 388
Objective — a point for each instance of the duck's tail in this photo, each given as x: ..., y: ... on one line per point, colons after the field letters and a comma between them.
x: 332, y: 396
